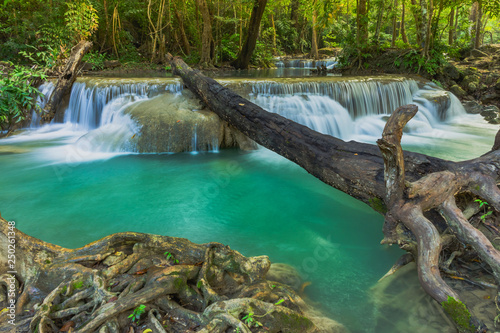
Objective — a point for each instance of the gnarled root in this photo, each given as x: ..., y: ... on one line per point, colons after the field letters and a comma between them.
x: 104, y: 285
x: 407, y: 202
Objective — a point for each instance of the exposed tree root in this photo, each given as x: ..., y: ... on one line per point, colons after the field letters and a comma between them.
x: 206, y: 287
x: 407, y: 202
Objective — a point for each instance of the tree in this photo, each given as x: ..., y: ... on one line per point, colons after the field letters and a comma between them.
x: 243, y: 59
x: 206, y: 35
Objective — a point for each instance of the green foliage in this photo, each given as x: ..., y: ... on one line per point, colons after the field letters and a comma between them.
x: 170, y: 256
x: 250, y: 321
x: 18, y: 96
x: 486, y: 211
x: 96, y: 59
x: 78, y: 285
x: 262, y: 55
x: 459, y: 313
x: 279, y: 302
x: 138, y: 311
x: 81, y: 19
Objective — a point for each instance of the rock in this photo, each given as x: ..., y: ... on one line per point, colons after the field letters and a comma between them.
x: 87, y: 66
x: 451, y: 71
x: 285, y: 274
x: 440, y: 100
x: 458, y: 91
x: 488, y: 98
x: 472, y: 86
x: 478, y: 54
x: 483, y: 64
x: 111, y: 64
x: 497, y: 85
x: 176, y: 123
x: 472, y: 107
x: 491, y: 113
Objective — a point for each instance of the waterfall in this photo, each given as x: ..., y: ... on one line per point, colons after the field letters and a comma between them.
x: 87, y: 100
x: 356, y: 109
x: 305, y: 63
x: 346, y: 108
x: 46, y: 89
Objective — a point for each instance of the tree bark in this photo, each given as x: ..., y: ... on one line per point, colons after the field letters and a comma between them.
x: 243, y: 59
x: 418, y: 21
x: 381, y: 7
x: 479, y: 16
x: 451, y: 27
x: 395, y: 30
x: 206, y: 36
x: 403, y: 24
x: 362, y: 23
x: 185, y: 42
x: 65, y: 80
x: 314, y: 39
x: 400, y: 184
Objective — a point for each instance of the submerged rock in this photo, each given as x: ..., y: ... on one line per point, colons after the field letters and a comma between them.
x: 177, y: 123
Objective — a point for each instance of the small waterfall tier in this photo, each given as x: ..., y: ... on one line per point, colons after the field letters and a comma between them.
x: 305, y: 63
x: 90, y: 96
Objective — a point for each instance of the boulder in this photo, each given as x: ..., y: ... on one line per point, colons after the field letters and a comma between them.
x: 451, y: 71
x: 478, y: 54
x: 111, y: 64
x: 458, y: 91
x: 489, y: 98
x: 176, y: 123
x: 491, y: 113
x: 472, y: 107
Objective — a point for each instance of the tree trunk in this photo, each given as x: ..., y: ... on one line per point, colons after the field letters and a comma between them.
x: 418, y: 21
x: 451, y: 27
x: 206, y: 36
x: 65, y: 80
x: 381, y: 7
x: 243, y: 59
x: 401, y: 185
x: 362, y: 23
x: 403, y: 23
x: 479, y: 16
x: 395, y: 30
x: 314, y: 39
x: 185, y: 42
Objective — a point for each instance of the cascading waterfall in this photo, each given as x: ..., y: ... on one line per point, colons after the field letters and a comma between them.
x: 348, y: 109
x: 301, y: 63
x: 46, y: 89
x: 87, y: 100
x: 356, y: 108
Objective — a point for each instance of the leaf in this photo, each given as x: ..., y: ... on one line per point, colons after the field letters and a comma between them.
x: 279, y: 302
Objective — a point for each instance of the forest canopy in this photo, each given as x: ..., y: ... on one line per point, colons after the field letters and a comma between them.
x: 214, y: 31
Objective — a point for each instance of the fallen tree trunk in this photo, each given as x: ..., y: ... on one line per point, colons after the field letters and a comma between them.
x: 65, y: 80
x: 402, y: 186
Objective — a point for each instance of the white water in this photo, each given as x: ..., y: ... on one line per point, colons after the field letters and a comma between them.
x: 94, y: 121
x: 300, y: 63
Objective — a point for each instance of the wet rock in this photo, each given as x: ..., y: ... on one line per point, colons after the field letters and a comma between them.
x: 491, y: 114
x: 440, y: 100
x: 177, y: 123
x: 451, y: 71
x: 111, y: 64
x: 87, y: 66
x: 488, y: 98
x: 458, y: 91
x: 472, y: 107
x: 285, y: 274
x: 478, y: 54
